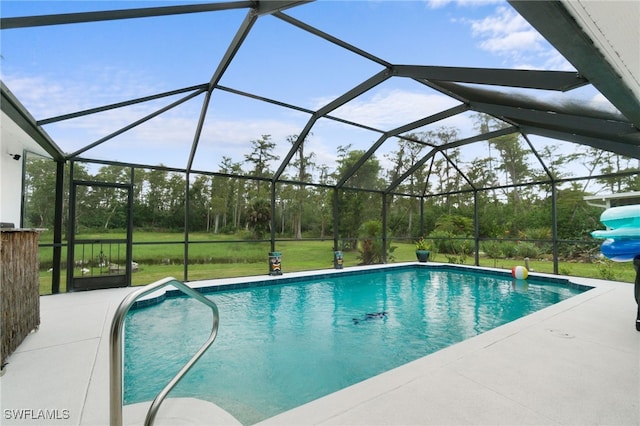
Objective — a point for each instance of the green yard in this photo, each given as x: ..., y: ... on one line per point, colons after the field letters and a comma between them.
x: 160, y: 255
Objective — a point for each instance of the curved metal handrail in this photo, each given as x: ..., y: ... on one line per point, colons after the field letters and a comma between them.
x: 115, y: 349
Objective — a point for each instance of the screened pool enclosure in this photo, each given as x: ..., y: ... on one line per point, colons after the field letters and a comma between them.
x: 265, y: 122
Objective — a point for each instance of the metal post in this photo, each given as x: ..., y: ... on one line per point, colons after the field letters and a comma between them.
x: 129, y: 267
x: 273, y: 216
x: 384, y: 227
x: 57, y: 228
x: 71, y: 228
x: 422, y: 216
x: 186, y: 228
x: 554, y: 225
x: 336, y: 221
x: 476, y: 231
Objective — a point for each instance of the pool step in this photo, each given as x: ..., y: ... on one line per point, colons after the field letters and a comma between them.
x: 180, y: 411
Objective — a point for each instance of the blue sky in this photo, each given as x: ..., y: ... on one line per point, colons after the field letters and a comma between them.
x: 61, y: 69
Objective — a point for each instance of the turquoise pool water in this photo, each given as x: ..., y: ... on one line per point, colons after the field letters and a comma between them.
x: 280, y: 346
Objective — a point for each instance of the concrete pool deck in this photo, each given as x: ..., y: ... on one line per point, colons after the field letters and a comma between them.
x: 574, y: 363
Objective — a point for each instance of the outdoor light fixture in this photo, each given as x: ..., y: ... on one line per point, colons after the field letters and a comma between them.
x: 15, y: 156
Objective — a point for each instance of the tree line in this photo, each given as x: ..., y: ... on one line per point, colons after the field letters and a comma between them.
x: 236, y: 198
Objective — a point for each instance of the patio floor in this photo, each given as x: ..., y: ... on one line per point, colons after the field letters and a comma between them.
x: 574, y: 363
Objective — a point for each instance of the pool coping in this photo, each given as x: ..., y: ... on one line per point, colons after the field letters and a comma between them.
x: 227, y: 284
x: 575, y: 362
x: 368, y: 399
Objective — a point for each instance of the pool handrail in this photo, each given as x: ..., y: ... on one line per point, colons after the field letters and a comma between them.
x: 115, y: 349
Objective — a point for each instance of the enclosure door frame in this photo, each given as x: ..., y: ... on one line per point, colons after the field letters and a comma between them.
x: 75, y: 283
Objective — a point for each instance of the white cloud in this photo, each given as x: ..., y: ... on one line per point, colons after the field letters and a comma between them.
x: 388, y: 109
x: 48, y: 95
x: 512, y: 43
x: 436, y: 4
x: 508, y: 35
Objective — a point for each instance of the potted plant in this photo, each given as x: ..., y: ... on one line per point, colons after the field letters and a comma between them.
x: 422, y: 250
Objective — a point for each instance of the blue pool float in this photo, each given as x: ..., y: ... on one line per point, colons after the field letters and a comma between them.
x: 620, y: 250
x: 622, y: 241
x: 617, y: 234
x: 622, y: 217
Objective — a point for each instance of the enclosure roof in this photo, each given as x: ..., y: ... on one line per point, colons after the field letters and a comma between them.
x: 515, y: 96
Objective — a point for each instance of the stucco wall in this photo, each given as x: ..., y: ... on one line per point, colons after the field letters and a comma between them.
x: 11, y: 181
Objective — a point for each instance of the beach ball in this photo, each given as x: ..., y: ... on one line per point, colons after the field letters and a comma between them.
x: 519, y: 272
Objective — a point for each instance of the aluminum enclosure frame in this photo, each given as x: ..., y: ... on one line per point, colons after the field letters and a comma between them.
x: 618, y: 133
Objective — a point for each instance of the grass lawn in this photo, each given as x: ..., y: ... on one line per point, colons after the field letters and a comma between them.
x: 161, y: 255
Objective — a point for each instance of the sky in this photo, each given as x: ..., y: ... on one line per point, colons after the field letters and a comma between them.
x: 61, y: 69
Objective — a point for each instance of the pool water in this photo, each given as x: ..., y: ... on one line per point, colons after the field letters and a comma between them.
x: 280, y: 346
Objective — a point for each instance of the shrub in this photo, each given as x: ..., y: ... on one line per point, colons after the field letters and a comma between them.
x: 508, y: 249
x: 441, y: 241
x: 245, y: 235
x: 525, y: 249
x: 371, y: 250
x: 491, y: 249
x: 604, y: 270
x: 455, y: 225
x: 542, y: 233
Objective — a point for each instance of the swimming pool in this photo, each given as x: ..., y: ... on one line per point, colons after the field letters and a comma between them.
x: 282, y: 343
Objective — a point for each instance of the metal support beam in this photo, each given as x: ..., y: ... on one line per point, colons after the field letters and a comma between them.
x: 110, y: 15
x: 458, y: 170
x: 134, y: 124
x: 18, y: 113
x: 198, y: 132
x: 354, y: 169
x: 455, y: 144
x: 530, y: 79
x: 605, y: 128
x: 397, y: 131
x: 234, y: 46
x: 361, y: 88
x: 537, y: 155
x: 335, y: 104
x: 331, y: 39
x: 552, y: 20
x: 267, y: 7
x: 430, y: 119
x: 200, y: 87
x: 620, y: 148
x: 295, y: 147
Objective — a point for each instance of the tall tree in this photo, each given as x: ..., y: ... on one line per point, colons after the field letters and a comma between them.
x: 227, y: 195
x: 261, y: 156
x: 407, y: 155
x: 112, y: 202
x: 40, y: 191
x: 304, y: 165
x: 200, y: 202
x: 356, y: 207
